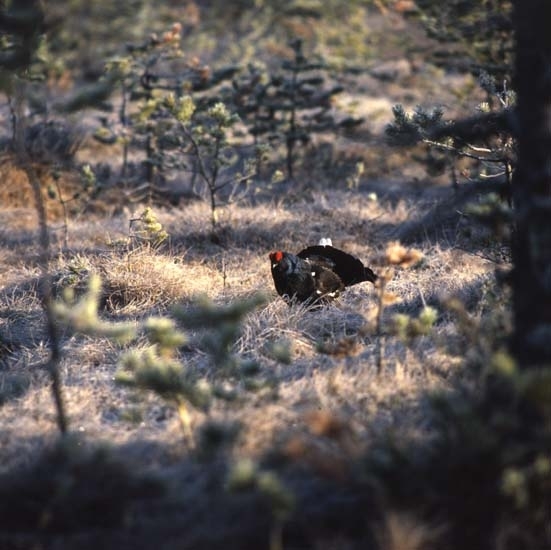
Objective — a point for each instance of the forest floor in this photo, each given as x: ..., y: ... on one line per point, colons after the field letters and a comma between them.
x: 319, y: 409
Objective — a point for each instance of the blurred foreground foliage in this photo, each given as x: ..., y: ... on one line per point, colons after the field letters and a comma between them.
x: 486, y: 475
x: 158, y: 367
x: 70, y: 488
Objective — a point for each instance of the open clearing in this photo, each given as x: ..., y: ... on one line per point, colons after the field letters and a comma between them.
x: 319, y: 401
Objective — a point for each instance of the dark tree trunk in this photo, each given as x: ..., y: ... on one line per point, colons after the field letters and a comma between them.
x: 532, y: 184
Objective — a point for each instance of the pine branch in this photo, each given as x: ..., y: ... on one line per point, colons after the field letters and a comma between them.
x: 476, y: 128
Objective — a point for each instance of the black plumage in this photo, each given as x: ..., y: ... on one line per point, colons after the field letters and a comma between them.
x: 317, y: 273
x: 349, y: 268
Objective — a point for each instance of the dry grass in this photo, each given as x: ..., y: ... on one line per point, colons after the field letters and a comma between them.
x: 143, y: 280
x: 321, y: 360
x: 324, y: 402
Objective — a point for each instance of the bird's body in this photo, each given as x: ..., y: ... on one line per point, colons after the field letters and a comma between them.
x: 317, y: 273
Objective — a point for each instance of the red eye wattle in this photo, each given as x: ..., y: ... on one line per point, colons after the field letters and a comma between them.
x: 277, y: 256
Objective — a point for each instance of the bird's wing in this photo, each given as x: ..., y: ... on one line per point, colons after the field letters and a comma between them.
x: 327, y: 283
x: 349, y: 268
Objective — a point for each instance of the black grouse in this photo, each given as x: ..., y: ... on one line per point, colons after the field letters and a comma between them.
x: 317, y: 273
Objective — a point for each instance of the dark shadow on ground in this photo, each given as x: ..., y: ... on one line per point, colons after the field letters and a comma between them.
x: 79, y: 495
x: 443, y: 220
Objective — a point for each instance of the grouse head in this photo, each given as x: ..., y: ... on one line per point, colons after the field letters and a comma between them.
x: 276, y: 257
x: 282, y: 262
x: 317, y: 273
x: 287, y: 272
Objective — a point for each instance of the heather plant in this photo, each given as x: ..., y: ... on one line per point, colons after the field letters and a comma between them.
x: 71, y: 201
x: 73, y: 487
